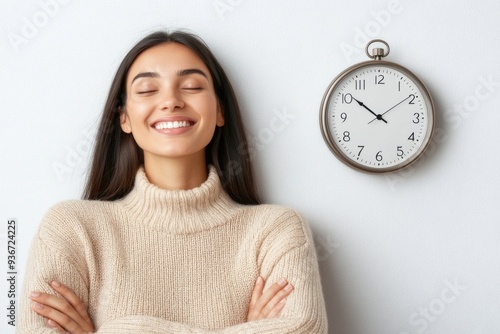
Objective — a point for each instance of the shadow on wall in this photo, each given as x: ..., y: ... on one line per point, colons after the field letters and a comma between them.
x: 339, y: 319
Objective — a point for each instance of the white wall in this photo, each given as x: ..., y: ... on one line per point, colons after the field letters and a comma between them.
x: 410, y: 252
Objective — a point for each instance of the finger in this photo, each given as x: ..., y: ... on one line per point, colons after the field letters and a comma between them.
x: 277, y: 309
x: 256, y: 294
x: 48, y: 302
x: 75, y: 302
x: 257, y: 290
x: 280, y: 295
x: 53, y: 324
x: 61, y: 319
x: 270, y: 293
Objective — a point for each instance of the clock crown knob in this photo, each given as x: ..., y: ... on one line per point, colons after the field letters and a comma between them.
x: 377, y: 53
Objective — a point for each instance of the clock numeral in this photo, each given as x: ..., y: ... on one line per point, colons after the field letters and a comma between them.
x: 412, y: 136
x: 379, y: 80
x: 379, y: 156
x: 360, y: 84
x: 344, y: 117
x: 346, y: 98
x: 347, y: 136
x: 417, y: 118
x: 400, y: 151
x: 412, y: 99
x: 361, y: 150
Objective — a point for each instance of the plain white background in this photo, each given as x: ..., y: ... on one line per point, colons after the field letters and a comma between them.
x: 411, y: 252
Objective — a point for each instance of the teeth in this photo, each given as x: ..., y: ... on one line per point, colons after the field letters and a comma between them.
x: 172, y: 125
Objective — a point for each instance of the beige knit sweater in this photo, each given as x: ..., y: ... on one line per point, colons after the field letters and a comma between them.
x: 160, y: 261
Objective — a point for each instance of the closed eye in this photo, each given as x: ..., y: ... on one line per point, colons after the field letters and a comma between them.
x: 193, y: 89
x: 146, y: 91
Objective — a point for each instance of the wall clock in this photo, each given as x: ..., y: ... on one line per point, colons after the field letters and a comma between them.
x: 377, y: 116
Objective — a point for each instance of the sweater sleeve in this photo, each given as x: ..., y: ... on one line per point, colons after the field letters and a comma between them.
x: 287, y: 250
x: 60, y: 252
x: 44, y: 265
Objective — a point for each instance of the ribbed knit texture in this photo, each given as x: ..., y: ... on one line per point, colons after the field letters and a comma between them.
x: 186, y: 261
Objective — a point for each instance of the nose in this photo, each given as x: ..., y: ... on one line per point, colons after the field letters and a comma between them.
x: 171, y: 101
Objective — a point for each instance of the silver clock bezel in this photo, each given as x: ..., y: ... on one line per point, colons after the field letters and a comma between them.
x: 331, y: 143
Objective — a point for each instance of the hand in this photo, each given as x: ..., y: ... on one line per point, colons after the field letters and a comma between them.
x: 391, y: 108
x: 379, y: 117
x: 269, y: 304
x: 66, y: 314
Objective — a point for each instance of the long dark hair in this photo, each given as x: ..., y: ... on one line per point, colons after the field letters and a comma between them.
x: 117, y: 157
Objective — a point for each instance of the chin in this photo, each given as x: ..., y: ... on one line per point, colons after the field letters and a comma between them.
x: 177, y: 153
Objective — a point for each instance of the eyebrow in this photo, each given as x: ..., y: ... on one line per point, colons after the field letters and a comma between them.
x: 190, y: 71
x: 180, y: 73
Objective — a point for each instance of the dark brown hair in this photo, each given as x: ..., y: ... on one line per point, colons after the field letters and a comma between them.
x: 117, y: 157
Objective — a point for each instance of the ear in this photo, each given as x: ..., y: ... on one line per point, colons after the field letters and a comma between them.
x: 220, y: 116
x: 124, y: 121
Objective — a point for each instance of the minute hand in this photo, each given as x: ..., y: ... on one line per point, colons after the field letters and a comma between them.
x: 379, y: 117
x: 391, y: 108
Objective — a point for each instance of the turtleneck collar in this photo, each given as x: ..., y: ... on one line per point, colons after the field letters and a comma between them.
x: 179, y: 211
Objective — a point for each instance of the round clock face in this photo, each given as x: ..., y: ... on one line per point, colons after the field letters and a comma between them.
x: 377, y: 117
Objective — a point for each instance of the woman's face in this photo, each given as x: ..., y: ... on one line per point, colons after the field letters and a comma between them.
x: 171, y: 107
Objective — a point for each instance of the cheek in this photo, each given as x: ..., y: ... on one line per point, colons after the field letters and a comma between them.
x: 210, y: 109
x: 137, y: 113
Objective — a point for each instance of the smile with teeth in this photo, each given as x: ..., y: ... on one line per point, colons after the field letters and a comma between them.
x: 172, y: 125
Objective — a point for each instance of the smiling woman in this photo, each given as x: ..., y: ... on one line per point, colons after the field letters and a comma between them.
x: 167, y: 239
x: 168, y: 85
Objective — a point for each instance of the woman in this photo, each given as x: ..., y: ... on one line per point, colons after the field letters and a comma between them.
x: 169, y: 238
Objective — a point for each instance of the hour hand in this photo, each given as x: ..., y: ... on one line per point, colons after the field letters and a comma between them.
x: 379, y: 116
